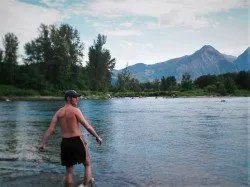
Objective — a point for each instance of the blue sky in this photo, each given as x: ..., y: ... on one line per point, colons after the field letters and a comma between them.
x: 138, y: 31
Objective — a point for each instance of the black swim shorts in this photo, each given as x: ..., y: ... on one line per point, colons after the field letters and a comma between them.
x: 73, y: 151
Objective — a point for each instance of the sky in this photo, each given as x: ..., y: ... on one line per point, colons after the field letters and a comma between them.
x: 138, y: 31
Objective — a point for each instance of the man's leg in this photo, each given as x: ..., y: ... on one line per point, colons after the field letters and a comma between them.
x: 69, y: 174
x: 87, y: 173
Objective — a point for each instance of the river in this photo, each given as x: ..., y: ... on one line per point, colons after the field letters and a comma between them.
x: 147, y: 142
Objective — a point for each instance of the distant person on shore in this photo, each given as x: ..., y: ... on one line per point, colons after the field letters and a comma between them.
x: 73, y: 146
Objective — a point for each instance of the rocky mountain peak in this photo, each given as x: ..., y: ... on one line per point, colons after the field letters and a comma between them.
x: 208, y: 48
x: 208, y: 53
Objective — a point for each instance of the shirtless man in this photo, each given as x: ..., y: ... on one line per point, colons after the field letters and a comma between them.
x: 73, y: 146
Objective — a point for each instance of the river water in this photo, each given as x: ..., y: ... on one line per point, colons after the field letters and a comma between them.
x: 147, y: 142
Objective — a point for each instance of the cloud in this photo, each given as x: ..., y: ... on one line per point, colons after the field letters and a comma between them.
x: 125, y: 44
x: 24, y: 19
x: 127, y: 24
x: 123, y: 32
x: 131, y: 45
x: 191, y: 13
x: 152, y: 25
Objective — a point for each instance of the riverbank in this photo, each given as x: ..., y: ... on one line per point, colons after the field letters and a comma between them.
x: 11, y: 93
x: 131, y: 95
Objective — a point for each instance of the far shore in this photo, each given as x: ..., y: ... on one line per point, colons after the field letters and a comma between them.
x: 57, y: 98
x: 30, y: 98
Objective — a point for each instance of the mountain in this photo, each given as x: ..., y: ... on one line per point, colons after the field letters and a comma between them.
x: 206, y: 60
x: 230, y: 58
x: 243, y: 61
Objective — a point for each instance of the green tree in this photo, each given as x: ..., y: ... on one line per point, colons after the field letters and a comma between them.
x: 186, y: 82
x: 30, y: 77
x: 168, y: 84
x: 243, y: 80
x: 221, y: 89
x: 205, y: 80
x: 211, y: 88
x: 9, y: 59
x: 100, y: 65
x: 1, y: 56
x: 146, y: 86
x: 58, y: 53
x: 156, y: 84
x: 125, y: 81
x: 229, y: 85
x: 163, y: 85
x: 1, y: 66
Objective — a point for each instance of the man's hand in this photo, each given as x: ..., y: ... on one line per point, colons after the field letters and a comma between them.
x: 41, y: 148
x: 99, y: 140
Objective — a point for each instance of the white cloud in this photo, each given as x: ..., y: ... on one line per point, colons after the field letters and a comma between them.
x: 97, y: 24
x: 24, y: 19
x: 125, y: 44
x: 123, y: 32
x: 152, y: 25
x: 168, y: 13
x: 127, y: 24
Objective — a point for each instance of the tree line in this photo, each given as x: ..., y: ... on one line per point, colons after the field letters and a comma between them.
x: 53, y: 61
x: 223, y: 84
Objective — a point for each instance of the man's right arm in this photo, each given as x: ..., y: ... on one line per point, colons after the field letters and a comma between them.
x: 85, y: 123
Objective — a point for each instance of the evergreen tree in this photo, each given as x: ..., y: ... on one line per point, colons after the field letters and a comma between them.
x: 100, y: 65
x: 9, y: 63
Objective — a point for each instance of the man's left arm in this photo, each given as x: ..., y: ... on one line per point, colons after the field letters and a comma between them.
x: 50, y: 130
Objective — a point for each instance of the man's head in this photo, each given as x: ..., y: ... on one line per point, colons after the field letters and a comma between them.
x: 71, y: 96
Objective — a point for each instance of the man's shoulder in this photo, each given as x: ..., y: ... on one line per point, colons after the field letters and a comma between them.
x: 73, y: 109
x: 60, y: 109
x: 69, y: 108
x: 76, y: 109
